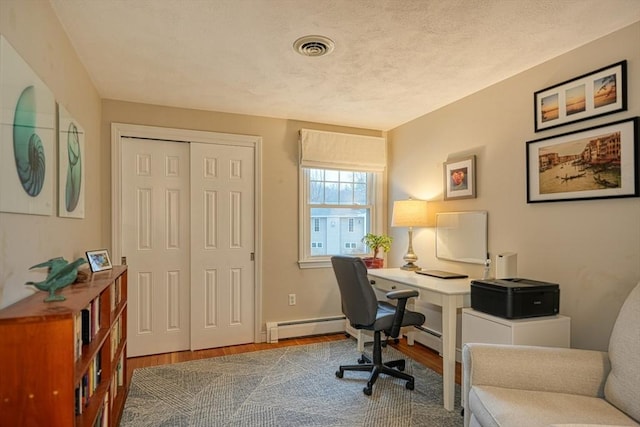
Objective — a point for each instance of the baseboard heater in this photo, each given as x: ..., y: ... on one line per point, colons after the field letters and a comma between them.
x: 304, y: 327
x: 429, y: 331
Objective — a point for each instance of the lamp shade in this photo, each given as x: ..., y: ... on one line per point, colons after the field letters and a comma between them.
x: 409, y: 213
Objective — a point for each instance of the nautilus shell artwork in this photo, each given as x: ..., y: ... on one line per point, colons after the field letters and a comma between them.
x: 27, y: 137
x: 28, y: 150
x: 74, y: 173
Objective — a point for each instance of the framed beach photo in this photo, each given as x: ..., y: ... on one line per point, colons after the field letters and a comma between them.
x: 594, y: 163
x: 460, y: 178
x: 99, y: 260
x: 597, y: 93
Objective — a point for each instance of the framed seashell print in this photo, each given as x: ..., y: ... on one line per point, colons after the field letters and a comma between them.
x: 27, y: 135
x: 70, y: 166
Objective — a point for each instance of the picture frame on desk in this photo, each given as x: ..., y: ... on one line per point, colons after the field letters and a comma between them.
x: 99, y: 260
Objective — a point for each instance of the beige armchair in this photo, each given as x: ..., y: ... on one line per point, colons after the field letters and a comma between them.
x: 524, y: 386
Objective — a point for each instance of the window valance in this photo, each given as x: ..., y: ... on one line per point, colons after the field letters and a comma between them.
x: 330, y: 150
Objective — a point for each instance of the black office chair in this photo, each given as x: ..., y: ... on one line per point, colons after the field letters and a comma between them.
x: 364, y: 311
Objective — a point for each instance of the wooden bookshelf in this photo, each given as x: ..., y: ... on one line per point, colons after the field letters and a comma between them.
x: 60, y: 367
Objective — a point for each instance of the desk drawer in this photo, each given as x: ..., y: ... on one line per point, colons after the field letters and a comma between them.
x: 385, y: 285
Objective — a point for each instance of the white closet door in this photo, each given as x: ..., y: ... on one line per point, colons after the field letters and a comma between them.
x: 222, y: 232
x: 156, y: 242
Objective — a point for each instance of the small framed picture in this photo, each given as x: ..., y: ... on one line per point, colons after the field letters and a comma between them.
x: 99, y: 260
x: 460, y: 178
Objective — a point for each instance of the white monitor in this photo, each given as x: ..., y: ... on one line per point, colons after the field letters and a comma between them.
x: 462, y: 236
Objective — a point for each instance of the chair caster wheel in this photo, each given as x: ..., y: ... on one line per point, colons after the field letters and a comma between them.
x: 401, y: 367
x: 410, y: 385
x: 396, y: 340
x: 367, y: 390
x: 339, y: 374
x: 361, y: 360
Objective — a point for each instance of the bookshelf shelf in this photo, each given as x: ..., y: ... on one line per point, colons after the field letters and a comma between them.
x: 64, y: 362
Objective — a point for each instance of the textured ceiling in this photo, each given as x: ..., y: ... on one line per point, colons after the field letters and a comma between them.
x: 394, y: 60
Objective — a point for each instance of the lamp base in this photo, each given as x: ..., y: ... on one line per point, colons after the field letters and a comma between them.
x: 410, y: 266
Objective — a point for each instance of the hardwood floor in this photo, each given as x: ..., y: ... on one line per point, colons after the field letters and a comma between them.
x: 418, y: 352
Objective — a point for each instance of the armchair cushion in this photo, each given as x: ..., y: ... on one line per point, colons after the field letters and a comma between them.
x: 499, y: 406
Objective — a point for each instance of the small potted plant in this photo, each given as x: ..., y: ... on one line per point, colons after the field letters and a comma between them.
x: 375, y: 242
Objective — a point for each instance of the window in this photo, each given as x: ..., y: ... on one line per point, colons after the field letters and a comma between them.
x: 341, y: 180
x: 339, y: 208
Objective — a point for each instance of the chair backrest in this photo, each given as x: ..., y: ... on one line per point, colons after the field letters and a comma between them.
x: 359, y: 302
x: 623, y: 383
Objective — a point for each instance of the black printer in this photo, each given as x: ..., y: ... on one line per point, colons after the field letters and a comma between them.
x: 515, y: 298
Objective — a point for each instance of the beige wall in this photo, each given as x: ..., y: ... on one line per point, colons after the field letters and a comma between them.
x: 591, y: 248
x: 317, y: 293
x: 34, y: 31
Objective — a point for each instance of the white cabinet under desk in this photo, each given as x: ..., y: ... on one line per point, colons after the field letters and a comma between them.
x: 547, y: 331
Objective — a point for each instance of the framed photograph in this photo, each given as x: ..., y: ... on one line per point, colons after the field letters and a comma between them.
x: 460, y: 178
x: 99, y: 260
x: 594, y: 163
x: 597, y: 93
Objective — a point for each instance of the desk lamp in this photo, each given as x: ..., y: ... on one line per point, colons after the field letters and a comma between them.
x: 409, y: 213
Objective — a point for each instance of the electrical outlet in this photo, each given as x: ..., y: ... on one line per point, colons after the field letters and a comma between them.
x: 292, y: 299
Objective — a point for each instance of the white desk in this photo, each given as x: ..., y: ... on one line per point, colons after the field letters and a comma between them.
x: 450, y: 294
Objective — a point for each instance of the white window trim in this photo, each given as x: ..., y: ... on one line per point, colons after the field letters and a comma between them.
x: 305, y: 260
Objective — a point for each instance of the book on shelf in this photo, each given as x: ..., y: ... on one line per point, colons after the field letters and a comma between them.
x: 77, y: 333
x: 120, y: 371
x: 86, y: 325
x: 88, y: 384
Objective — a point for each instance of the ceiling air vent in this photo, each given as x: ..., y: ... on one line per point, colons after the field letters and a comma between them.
x: 313, y: 45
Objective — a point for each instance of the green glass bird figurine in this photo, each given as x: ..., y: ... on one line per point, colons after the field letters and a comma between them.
x: 61, y: 274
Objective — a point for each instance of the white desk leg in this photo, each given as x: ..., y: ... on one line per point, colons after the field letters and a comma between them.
x: 449, y: 310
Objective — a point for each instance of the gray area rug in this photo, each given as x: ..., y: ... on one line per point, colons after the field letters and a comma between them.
x: 290, y: 386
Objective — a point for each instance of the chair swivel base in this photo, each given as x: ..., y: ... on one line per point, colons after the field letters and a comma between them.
x: 376, y: 367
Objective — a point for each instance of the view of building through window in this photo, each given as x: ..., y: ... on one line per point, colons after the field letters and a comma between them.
x: 340, y: 210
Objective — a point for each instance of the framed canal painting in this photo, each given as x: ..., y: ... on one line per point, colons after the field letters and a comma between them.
x: 595, y: 163
x: 597, y: 93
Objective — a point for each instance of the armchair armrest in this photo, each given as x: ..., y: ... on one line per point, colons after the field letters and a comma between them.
x: 561, y: 370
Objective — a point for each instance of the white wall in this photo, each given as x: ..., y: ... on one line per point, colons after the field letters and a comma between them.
x: 591, y: 248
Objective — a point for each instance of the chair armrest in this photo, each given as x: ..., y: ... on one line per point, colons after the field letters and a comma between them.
x: 561, y: 370
x: 402, y: 294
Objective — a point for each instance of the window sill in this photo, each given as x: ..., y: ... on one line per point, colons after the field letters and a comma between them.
x: 324, y: 263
